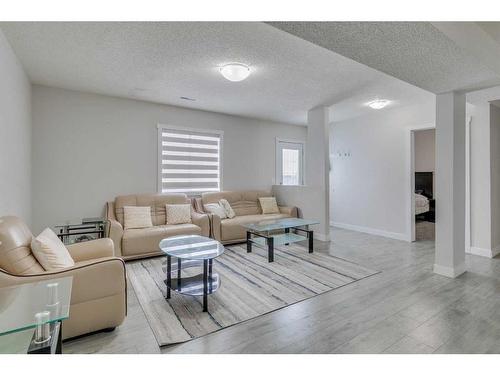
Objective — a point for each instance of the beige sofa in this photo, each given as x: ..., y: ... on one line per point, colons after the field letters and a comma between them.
x: 140, y: 243
x: 247, y: 209
x: 98, y: 296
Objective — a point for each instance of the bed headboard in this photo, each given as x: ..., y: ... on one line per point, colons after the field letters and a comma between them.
x: 424, y: 183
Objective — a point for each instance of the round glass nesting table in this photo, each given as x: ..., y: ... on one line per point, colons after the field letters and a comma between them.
x: 192, y: 251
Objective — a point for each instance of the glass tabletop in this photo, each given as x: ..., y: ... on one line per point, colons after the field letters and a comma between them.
x: 20, y: 304
x: 191, y: 247
x: 268, y: 225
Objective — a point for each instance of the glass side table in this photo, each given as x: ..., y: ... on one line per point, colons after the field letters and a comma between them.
x: 39, y: 308
x: 88, y: 229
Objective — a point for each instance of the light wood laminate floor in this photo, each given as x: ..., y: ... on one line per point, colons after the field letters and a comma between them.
x: 404, y: 309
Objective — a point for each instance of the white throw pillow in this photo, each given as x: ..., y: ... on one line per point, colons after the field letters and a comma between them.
x: 215, y: 209
x: 227, y: 208
x: 178, y: 213
x: 50, y: 252
x: 269, y: 205
x: 135, y: 217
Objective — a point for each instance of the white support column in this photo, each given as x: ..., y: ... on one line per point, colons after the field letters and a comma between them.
x: 318, y: 168
x: 450, y: 184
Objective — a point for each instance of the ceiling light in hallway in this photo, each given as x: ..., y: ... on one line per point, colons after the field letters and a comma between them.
x: 235, y: 72
x: 379, y: 103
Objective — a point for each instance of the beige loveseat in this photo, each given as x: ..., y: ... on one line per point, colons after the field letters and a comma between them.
x: 247, y: 209
x: 140, y: 243
x: 98, y: 295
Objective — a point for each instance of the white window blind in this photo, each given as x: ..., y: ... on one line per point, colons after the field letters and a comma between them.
x: 189, y: 160
x: 289, y: 162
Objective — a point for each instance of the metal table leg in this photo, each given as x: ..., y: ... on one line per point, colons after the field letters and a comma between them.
x: 205, y: 285
x: 210, y: 280
x: 249, y: 242
x: 169, y: 276
x: 270, y: 249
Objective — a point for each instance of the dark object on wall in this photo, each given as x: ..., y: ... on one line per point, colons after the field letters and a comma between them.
x: 424, y: 183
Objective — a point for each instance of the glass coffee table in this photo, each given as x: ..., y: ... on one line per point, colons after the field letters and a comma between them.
x: 271, y: 233
x: 192, y: 251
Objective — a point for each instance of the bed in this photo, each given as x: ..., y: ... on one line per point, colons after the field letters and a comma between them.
x: 421, y: 204
x: 424, y: 193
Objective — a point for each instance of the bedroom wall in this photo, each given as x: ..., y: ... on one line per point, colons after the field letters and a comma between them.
x: 90, y: 148
x: 425, y: 149
x: 369, y: 174
x: 15, y: 136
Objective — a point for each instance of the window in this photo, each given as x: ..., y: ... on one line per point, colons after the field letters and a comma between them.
x: 189, y: 160
x: 289, y: 162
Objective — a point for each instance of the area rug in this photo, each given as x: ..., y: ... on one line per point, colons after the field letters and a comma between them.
x: 250, y: 287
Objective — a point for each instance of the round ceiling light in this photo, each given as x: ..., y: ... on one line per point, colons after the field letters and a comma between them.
x: 379, y: 103
x: 235, y: 72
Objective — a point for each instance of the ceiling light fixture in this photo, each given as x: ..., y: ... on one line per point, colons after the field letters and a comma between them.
x: 235, y: 72
x: 379, y: 103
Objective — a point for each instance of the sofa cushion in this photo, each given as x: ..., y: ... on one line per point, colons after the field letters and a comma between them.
x: 242, y: 202
x: 178, y: 213
x: 269, y: 205
x: 157, y: 203
x: 136, y: 217
x: 232, y: 229
x: 50, y: 252
x: 147, y: 240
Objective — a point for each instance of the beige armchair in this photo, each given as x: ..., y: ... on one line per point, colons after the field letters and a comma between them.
x: 144, y: 242
x: 98, y: 296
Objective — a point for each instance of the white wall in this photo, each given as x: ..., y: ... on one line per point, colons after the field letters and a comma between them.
x: 15, y: 136
x: 370, y: 178
x: 89, y: 148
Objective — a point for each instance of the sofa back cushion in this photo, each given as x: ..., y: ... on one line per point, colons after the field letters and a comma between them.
x: 157, y: 202
x: 242, y: 202
x: 15, y: 247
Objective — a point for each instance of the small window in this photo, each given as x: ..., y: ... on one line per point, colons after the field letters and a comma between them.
x: 189, y: 160
x: 289, y: 162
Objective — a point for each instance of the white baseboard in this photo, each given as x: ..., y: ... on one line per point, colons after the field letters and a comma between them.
x: 449, y: 271
x: 488, y: 253
x: 376, y: 232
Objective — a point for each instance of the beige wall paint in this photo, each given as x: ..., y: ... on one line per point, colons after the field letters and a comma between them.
x: 425, y: 149
x: 89, y: 148
x: 15, y: 136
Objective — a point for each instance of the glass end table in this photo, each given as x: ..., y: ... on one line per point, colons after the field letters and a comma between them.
x: 38, y: 307
x: 271, y: 233
x: 192, y: 251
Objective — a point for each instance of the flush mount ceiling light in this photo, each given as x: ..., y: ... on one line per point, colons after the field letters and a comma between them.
x: 379, y: 103
x: 235, y: 72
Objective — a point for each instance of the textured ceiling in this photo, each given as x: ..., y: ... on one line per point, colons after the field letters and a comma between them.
x: 160, y: 62
x: 415, y: 52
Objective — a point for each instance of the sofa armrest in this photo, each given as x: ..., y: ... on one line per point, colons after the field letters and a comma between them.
x: 291, y: 211
x: 115, y: 229
x: 92, y: 279
x: 95, y: 249
x: 215, y: 224
x: 202, y: 221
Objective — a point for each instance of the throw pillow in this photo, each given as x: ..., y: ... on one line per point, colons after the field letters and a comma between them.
x: 135, y: 217
x: 50, y: 252
x: 227, y: 208
x: 178, y: 213
x: 215, y: 209
x: 269, y: 205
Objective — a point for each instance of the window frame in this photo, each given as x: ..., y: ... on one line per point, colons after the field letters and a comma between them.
x: 160, y: 127
x: 279, y: 160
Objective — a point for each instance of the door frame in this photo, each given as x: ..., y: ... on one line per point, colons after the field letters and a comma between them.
x: 410, y: 206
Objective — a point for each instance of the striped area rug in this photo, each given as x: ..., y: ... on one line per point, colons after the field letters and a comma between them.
x: 250, y: 287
